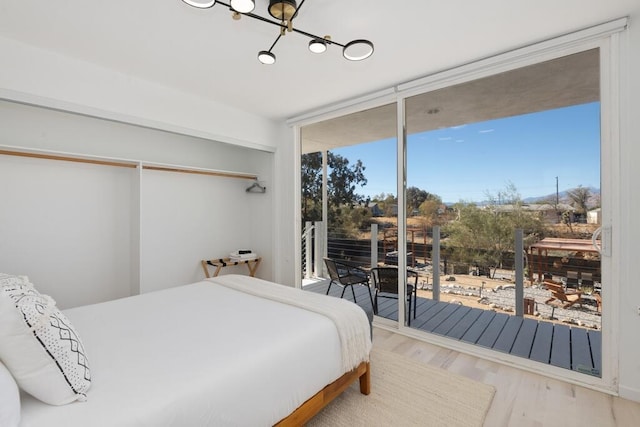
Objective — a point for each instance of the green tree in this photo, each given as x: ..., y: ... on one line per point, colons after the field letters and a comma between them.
x: 343, y: 180
x: 416, y: 197
x: 311, y: 181
x: 485, y: 235
x: 430, y: 212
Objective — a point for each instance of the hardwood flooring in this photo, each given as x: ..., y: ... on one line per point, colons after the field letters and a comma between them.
x: 522, y: 398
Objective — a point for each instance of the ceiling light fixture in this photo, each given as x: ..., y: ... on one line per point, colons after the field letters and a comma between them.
x: 243, y: 6
x: 200, y: 4
x: 285, y: 12
x: 319, y: 45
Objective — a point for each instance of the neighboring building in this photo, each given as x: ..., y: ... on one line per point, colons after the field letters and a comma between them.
x: 594, y: 216
x: 375, y: 209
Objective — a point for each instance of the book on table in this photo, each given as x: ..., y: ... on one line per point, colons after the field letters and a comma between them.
x: 242, y: 256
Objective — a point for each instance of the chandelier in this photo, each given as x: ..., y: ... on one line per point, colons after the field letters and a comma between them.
x: 285, y: 12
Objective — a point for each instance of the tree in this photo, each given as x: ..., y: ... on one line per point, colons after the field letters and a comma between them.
x: 430, y: 212
x: 416, y: 197
x: 483, y: 236
x: 343, y: 179
x: 580, y: 199
x: 311, y: 181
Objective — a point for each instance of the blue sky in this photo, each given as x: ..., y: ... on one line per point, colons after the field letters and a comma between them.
x: 466, y: 162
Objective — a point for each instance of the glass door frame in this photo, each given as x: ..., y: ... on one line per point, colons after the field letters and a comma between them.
x: 606, y: 38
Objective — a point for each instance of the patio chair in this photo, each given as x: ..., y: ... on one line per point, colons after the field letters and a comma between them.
x: 385, y: 282
x: 587, y: 280
x: 566, y: 298
x: 588, y: 283
x: 572, y: 279
x: 345, y: 275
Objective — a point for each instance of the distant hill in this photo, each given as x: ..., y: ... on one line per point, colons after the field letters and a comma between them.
x: 563, y: 196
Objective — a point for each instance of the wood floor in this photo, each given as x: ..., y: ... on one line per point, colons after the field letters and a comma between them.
x: 522, y: 398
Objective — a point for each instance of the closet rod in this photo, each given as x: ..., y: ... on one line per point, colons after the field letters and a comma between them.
x: 68, y: 158
x: 201, y: 172
x: 126, y: 164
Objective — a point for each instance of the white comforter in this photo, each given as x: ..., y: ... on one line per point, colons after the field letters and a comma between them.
x: 197, y: 355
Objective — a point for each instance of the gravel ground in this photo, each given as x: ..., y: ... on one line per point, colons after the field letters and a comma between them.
x: 502, y: 298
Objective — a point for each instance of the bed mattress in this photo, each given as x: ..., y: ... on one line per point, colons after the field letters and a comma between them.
x: 196, y: 355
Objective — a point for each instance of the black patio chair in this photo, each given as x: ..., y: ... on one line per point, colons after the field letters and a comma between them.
x: 385, y: 282
x: 345, y: 275
x: 572, y: 279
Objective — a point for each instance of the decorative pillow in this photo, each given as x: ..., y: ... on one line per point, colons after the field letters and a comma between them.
x: 40, y: 347
x: 9, y: 279
x: 9, y: 399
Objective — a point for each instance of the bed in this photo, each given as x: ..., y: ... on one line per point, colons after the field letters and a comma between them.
x: 227, y: 351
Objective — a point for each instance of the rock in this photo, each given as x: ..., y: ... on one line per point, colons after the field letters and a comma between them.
x: 493, y: 305
x: 451, y: 279
x: 536, y: 313
x: 507, y: 309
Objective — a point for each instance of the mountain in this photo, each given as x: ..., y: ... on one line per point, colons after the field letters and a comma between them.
x: 563, y: 196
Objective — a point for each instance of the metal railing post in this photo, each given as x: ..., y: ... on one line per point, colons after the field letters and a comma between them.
x: 374, y: 245
x: 320, y: 245
x: 435, y: 262
x: 308, y: 266
x: 519, y: 273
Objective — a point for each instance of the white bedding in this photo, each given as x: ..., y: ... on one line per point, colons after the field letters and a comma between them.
x: 196, y: 355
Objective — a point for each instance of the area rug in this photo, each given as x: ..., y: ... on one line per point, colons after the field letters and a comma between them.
x: 405, y: 392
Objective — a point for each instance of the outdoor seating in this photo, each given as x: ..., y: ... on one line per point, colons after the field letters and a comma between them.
x: 385, y: 281
x: 572, y: 279
x: 592, y: 288
x: 345, y: 275
x: 566, y: 298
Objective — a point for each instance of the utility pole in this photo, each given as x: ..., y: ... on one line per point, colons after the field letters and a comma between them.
x: 557, y: 200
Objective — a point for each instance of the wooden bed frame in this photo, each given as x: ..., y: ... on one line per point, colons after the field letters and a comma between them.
x: 311, y: 407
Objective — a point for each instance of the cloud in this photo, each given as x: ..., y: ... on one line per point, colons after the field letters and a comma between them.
x: 486, y: 130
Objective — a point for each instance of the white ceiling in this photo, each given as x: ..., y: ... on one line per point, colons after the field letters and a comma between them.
x: 205, y: 52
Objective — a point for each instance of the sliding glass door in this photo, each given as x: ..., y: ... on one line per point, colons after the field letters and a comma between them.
x: 493, y: 186
x: 517, y: 150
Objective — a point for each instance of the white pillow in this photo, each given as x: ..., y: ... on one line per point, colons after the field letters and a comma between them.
x: 40, y: 347
x: 10, y: 279
x: 9, y: 399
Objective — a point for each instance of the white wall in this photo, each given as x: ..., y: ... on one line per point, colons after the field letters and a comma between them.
x: 67, y: 226
x: 89, y: 233
x: 186, y: 218
x: 41, y: 77
x: 284, y: 211
x: 629, y: 301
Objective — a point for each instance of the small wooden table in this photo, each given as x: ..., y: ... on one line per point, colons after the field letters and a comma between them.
x: 252, y: 264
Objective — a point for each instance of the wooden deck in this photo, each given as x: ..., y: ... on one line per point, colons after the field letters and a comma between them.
x: 555, y: 344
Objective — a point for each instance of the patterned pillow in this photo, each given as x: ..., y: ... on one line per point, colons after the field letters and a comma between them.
x: 40, y: 347
x: 10, y: 279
